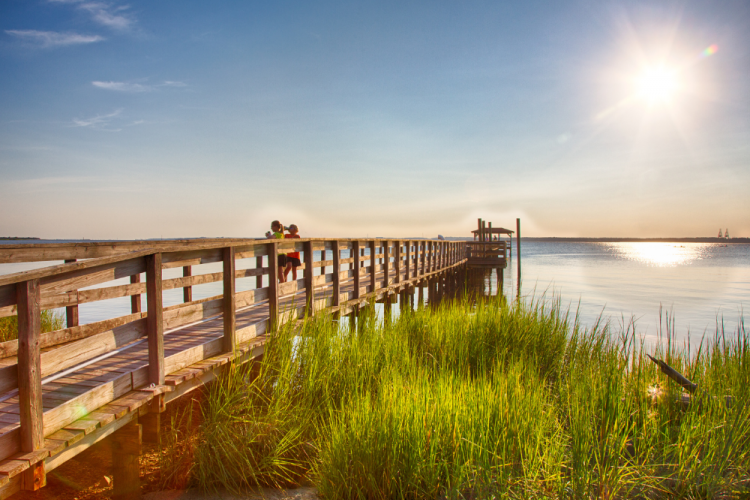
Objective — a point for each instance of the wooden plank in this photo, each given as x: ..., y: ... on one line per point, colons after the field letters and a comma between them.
x: 229, y: 319
x: 67, y: 436
x: 386, y: 261
x: 154, y: 319
x: 50, y: 339
x: 308, y: 277
x: 191, y: 257
x: 87, y: 425
x: 71, y: 354
x: 29, y: 365
x: 65, y: 277
x: 397, y: 261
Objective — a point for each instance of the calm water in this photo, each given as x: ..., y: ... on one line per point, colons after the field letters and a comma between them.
x: 697, y: 283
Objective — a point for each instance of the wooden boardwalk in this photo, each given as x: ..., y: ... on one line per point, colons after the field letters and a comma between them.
x: 63, y: 391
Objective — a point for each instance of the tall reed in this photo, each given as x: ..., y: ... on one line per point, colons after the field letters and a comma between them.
x: 481, y: 400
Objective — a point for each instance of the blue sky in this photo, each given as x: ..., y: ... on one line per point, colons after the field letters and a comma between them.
x: 171, y: 119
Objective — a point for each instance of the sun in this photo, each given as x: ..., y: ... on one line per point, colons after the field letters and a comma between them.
x: 657, y: 85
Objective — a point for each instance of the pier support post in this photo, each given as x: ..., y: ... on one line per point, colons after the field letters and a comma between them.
x: 126, y: 448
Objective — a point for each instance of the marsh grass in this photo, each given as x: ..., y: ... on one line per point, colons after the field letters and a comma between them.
x: 479, y: 401
x: 51, y: 320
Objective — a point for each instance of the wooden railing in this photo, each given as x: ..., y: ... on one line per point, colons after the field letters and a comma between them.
x: 486, y: 253
x: 369, y: 267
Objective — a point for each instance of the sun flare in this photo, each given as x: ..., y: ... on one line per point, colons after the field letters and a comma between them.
x: 657, y: 85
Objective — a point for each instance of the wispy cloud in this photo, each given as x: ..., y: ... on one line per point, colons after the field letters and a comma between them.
x: 106, y: 14
x: 122, y: 86
x: 53, y: 38
x: 135, y: 87
x: 101, y: 122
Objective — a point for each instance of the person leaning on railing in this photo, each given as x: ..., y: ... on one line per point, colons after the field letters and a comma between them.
x: 277, y: 232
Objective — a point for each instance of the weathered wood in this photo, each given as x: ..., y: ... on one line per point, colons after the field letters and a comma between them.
x: 71, y: 312
x: 30, y: 378
x: 230, y: 322
x: 308, y: 278
x: 135, y: 300
x: 386, y: 261
x: 155, y: 319
x: 407, y: 264
x: 336, y: 297
x: 65, y: 277
x: 273, y: 284
x: 10, y: 348
x: 187, y: 291
x: 150, y: 423
x: 373, y: 265
x: 29, y: 365
x: 126, y: 448
x: 355, y: 252
x: 259, y: 276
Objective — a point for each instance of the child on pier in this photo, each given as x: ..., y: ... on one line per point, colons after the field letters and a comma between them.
x: 292, y: 259
x: 278, y: 233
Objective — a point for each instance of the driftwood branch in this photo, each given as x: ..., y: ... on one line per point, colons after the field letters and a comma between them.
x: 674, y: 375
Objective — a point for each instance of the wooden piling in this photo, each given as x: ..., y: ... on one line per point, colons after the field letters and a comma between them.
x: 126, y: 448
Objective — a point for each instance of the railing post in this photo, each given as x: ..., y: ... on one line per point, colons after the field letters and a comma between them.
x: 259, y: 276
x: 154, y: 319
x: 28, y: 299
x: 355, y: 255
x: 397, y: 260
x: 407, y: 264
x: 230, y: 313
x: 273, y: 285
x: 135, y: 300
x: 423, y: 255
x: 336, y: 299
x: 373, y: 265
x: 386, y: 263
x: 71, y: 312
x: 187, y: 291
x: 309, y: 283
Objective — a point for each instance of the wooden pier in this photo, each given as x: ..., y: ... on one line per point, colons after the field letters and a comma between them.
x: 63, y: 391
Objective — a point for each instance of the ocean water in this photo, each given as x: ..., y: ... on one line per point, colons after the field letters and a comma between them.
x: 699, y: 285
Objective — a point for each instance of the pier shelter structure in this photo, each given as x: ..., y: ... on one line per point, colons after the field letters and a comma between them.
x: 489, y: 250
x: 61, y: 392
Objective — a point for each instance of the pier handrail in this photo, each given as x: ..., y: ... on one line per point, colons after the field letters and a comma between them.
x: 376, y: 267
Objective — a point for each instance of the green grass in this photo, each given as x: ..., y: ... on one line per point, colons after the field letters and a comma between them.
x: 480, y: 401
x: 51, y: 320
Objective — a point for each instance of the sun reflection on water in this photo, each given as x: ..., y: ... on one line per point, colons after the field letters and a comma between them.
x: 659, y: 254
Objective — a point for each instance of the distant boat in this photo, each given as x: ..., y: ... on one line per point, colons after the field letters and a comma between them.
x: 726, y: 233
x: 720, y: 236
